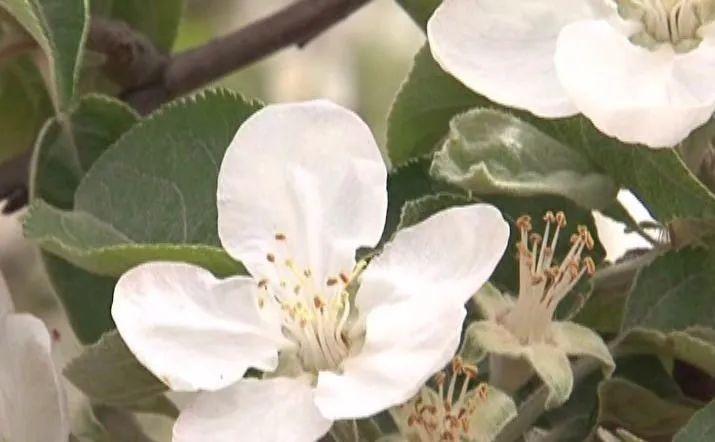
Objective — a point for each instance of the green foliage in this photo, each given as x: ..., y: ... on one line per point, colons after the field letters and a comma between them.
x: 491, y: 152
x: 109, y: 374
x: 700, y: 428
x: 675, y: 292
x: 419, y: 10
x: 63, y: 154
x: 423, y: 107
x: 59, y: 27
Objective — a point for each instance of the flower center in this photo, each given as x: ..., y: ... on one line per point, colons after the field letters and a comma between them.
x: 314, y: 313
x: 446, y: 415
x: 676, y: 22
x: 543, y: 283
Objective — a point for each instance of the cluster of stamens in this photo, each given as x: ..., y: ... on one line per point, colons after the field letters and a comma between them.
x: 670, y: 21
x: 315, y: 313
x: 445, y: 416
x: 543, y: 283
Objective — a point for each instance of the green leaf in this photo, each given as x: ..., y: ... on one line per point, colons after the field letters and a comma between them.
x: 158, y: 19
x: 100, y: 248
x: 700, y: 428
x: 60, y: 28
x: 491, y: 152
x: 63, y: 154
x: 423, y: 107
x: 675, y: 292
x: 152, y: 195
x: 628, y: 405
x: 419, y: 10
x: 24, y: 106
x: 419, y: 209
x: 109, y: 374
x: 87, y: 298
x: 659, y: 178
x: 67, y: 149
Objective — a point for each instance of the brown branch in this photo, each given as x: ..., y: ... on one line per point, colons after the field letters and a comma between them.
x: 297, y: 24
x: 150, y: 78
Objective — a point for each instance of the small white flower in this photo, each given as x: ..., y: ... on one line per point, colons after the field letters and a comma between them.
x: 641, y: 70
x: 301, y: 188
x: 522, y: 336
x: 458, y: 410
x: 32, y: 402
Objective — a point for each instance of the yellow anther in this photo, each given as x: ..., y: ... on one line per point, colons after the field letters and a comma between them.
x: 470, y: 371
x: 263, y: 284
x: 549, y: 217
x: 318, y: 303
x: 439, y: 378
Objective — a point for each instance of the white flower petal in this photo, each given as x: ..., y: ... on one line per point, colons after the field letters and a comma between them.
x: 637, y: 95
x: 192, y: 331
x: 405, y: 344
x: 504, y: 49
x: 32, y: 402
x: 6, y: 305
x: 447, y: 258
x: 575, y: 339
x: 270, y: 410
x: 310, y: 171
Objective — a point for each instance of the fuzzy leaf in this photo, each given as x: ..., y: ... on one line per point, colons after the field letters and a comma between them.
x: 491, y: 152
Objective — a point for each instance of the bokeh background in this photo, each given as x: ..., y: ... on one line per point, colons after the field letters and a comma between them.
x: 360, y: 63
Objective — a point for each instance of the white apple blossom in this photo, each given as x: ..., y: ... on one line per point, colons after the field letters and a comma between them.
x: 640, y: 70
x: 522, y: 336
x: 32, y: 403
x: 301, y: 188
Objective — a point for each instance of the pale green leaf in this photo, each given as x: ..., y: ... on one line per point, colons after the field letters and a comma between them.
x: 688, y: 345
x: 491, y: 152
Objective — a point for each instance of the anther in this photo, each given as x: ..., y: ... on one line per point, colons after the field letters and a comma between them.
x: 535, y: 238
x: 331, y: 282
x: 280, y: 237
x: 318, y: 303
x: 271, y: 257
x: 263, y: 283
x: 344, y: 278
x: 439, y: 378
x: 524, y: 223
x: 549, y: 217
x: 561, y: 219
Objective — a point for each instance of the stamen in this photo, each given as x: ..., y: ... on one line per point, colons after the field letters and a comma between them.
x: 280, y: 237
x: 271, y: 258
